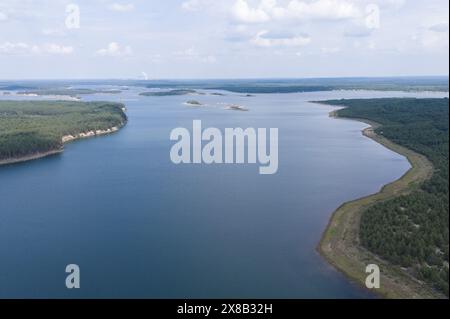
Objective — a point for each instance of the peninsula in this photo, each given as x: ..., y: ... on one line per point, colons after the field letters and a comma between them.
x: 404, y: 227
x: 35, y: 129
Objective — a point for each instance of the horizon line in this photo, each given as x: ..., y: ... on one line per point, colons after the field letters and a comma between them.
x: 228, y: 78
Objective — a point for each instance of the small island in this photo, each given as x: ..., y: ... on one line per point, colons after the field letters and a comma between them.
x: 194, y: 103
x: 234, y: 107
x: 34, y: 129
x: 169, y: 93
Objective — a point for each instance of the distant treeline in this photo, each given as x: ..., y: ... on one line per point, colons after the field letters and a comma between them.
x: 293, y: 88
x: 69, y: 92
x: 168, y: 93
x: 411, y: 231
x: 30, y: 127
x: 251, y: 86
x: 310, y: 84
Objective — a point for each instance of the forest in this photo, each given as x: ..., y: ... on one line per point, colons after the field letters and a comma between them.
x: 411, y: 231
x: 32, y: 127
x: 255, y: 86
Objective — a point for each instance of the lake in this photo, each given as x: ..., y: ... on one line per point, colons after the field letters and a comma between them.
x: 140, y: 226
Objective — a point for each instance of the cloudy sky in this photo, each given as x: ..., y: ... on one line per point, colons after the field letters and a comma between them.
x: 222, y: 38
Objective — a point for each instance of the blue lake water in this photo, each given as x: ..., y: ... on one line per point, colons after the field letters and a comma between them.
x: 140, y: 226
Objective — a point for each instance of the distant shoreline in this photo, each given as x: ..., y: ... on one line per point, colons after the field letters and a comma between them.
x: 340, y: 245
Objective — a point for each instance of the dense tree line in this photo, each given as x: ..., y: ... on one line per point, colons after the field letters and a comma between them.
x: 411, y: 231
x: 29, y: 127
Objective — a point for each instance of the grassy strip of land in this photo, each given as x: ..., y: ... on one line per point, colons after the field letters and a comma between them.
x: 341, y: 241
x: 35, y: 129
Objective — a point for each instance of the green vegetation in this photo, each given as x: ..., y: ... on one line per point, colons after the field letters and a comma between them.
x: 15, y: 87
x: 69, y: 92
x: 194, y: 103
x: 411, y: 230
x: 235, y: 107
x: 273, y: 89
x: 331, y: 84
x: 168, y: 93
x: 309, y: 84
x: 292, y: 88
x: 33, y: 127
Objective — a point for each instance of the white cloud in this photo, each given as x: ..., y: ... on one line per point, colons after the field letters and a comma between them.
x: 191, y: 54
x: 391, y: 4
x: 358, y: 32
x: 269, y: 10
x: 114, y: 49
x: 263, y: 40
x: 332, y: 50
x: 435, y: 41
x: 372, y: 45
x: 227, y: 31
x: 155, y: 58
x: 192, y: 5
x: 431, y: 40
x: 244, y: 13
x: 21, y: 48
x: 122, y: 7
x: 218, y: 7
x: 439, y: 27
x: 18, y: 48
x: 3, y: 16
x: 57, y: 49
x: 53, y: 32
x: 323, y: 9
x: 209, y: 59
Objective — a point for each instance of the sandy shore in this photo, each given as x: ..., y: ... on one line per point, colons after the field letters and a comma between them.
x: 70, y: 138
x: 340, y: 244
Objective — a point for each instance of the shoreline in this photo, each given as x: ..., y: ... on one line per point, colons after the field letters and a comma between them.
x: 339, y: 244
x: 65, y: 139
x: 30, y: 157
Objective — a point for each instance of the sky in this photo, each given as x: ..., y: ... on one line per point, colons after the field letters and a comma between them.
x: 189, y: 39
